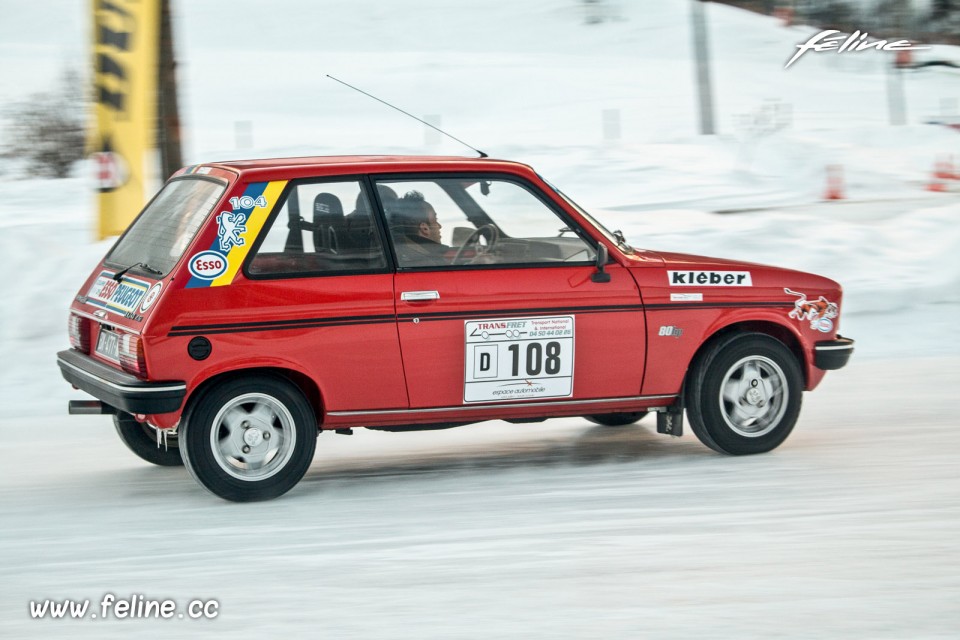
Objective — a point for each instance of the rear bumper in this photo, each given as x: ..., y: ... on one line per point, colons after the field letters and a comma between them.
x: 832, y: 354
x: 117, y: 388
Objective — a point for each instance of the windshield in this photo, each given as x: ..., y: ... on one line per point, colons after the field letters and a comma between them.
x: 166, y: 227
x: 613, y: 236
x: 477, y: 221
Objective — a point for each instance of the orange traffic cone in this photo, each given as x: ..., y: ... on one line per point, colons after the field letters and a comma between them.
x: 785, y: 15
x: 941, y: 172
x: 943, y: 169
x: 834, y: 183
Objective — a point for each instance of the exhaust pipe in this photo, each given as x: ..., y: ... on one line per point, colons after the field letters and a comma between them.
x: 89, y: 408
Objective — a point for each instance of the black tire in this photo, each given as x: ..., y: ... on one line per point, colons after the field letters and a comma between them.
x: 617, y: 419
x: 142, y: 440
x: 744, y: 393
x: 250, y: 438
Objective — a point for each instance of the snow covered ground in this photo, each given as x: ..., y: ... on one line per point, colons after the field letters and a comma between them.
x: 556, y: 530
x: 553, y: 530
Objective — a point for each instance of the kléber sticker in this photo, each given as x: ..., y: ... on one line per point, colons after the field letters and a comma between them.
x: 709, y: 278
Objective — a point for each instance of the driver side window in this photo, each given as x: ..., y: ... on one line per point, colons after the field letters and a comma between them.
x: 455, y: 222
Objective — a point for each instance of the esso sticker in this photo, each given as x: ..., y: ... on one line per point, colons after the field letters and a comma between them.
x: 151, y: 296
x: 823, y: 325
x: 208, y: 265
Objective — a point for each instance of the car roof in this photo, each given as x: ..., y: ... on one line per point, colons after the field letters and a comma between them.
x: 343, y: 165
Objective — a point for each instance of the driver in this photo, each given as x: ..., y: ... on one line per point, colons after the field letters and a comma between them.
x: 416, y: 232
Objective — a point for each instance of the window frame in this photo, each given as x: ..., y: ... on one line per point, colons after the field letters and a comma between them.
x: 523, y: 183
x: 376, y: 219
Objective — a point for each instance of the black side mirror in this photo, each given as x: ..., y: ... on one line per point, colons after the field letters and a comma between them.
x: 602, y: 257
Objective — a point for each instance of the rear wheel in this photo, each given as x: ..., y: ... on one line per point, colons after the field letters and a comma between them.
x: 617, y: 419
x: 142, y: 440
x: 744, y: 394
x: 249, y: 438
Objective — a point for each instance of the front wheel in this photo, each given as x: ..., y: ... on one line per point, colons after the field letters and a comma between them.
x: 744, y: 393
x: 249, y: 438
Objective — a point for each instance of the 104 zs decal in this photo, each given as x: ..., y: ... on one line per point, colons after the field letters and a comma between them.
x: 518, y: 359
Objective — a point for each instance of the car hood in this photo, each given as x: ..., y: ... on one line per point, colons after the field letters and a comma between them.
x: 673, y: 260
x: 762, y: 276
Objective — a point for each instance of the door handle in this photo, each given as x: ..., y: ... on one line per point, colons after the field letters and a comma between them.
x: 419, y: 296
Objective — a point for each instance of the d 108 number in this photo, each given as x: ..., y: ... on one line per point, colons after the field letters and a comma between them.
x: 534, y: 361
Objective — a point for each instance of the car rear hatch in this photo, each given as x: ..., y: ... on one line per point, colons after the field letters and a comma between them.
x: 111, y: 311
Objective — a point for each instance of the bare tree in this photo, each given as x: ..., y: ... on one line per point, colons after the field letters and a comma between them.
x: 46, y: 131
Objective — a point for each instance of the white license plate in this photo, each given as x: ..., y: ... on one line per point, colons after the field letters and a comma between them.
x: 108, y: 345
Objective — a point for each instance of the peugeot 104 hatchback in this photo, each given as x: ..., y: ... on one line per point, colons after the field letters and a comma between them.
x: 253, y: 305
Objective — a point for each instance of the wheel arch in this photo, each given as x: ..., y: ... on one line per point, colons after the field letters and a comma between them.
x: 303, y: 382
x: 775, y: 330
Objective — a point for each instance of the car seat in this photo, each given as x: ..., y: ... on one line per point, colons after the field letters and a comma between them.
x: 328, y: 223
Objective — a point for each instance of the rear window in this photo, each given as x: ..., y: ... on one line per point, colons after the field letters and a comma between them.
x: 166, y: 227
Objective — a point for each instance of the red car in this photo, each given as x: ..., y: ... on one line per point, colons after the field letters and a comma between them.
x: 254, y: 304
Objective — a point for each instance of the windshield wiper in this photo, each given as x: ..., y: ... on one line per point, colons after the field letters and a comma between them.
x: 119, y: 274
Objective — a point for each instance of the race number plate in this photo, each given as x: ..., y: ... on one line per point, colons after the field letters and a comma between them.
x: 108, y: 345
x: 518, y: 359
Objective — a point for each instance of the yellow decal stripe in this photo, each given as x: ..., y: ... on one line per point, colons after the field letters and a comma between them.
x: 258, y: 216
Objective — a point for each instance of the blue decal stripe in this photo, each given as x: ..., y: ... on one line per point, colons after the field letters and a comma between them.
x: 254, y: 190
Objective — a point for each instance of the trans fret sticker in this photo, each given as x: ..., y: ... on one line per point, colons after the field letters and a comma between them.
x: 120, y: 297
x: 518, y: 359
x: 217, y: 264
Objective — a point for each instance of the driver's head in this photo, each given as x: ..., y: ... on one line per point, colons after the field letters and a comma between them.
x: 417, y: 216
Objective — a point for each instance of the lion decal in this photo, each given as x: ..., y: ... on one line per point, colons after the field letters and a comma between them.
x: 819, y: 313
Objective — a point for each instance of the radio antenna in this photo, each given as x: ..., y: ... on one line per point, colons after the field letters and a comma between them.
x: 406, y: 113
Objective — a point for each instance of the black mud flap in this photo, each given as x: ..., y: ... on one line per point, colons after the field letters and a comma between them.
x: 670, y: 422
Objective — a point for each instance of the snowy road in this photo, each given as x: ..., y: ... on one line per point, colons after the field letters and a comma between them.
x: 557, y: 530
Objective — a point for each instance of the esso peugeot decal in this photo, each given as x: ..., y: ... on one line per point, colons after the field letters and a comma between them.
x: 208, y: 265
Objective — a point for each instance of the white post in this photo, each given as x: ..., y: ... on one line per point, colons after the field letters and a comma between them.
x: 611, y: 125
x: 701, y: 49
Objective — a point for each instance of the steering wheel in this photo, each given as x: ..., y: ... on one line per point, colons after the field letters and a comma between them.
x: 488, y: 232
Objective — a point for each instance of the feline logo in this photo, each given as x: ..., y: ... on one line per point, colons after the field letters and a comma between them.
x: 857, y: 41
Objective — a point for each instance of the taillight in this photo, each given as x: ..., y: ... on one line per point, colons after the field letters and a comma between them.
x: 79, y: 330
x: 132, y: 359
